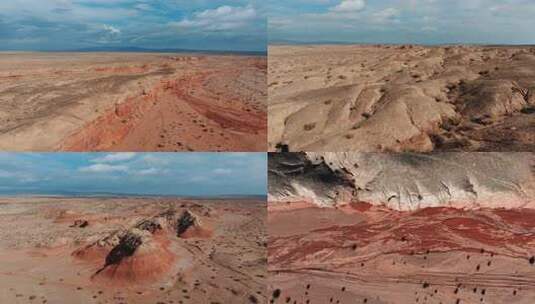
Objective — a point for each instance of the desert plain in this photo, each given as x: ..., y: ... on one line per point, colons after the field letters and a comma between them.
x: 132, y: 250
x: 401, y: 98
x: 401, y: 228
x: 132, y: 102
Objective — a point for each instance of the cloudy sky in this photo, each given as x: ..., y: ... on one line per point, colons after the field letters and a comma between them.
x: 403, y: 21
x: 74, y: 24
x: 145, y: 173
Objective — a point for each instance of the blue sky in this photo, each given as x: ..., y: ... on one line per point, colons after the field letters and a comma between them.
x: 73, y: 24
x: 403, y: 21
x: 143, y: 173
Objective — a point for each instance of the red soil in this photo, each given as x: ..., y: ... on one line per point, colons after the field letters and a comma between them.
x: 197, y: 232
x: 149, y: 262
x: 112, y: 127
x: 510, y: 232
x: 237, y: 119
x: 176, y: 115
x: 123, y: 69
x: 523, y: 217
x: 289, y: 206
x: 92, y: 254
x: 360, y: 206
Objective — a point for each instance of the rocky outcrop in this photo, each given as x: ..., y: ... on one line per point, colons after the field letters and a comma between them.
x: 189, y: 225
x: 135, y: 254
x: 404, y: 181
x: 151, y: 225
x: 382, y: 99
x: 80, y: 224
x: 298, y: 176
x: 127, y: 246
x: 140, y: 252
x: 181, y: 224
x: 185, y: 222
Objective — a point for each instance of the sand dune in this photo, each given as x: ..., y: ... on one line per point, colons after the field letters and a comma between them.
x: 401, y: 98
x: 132, y: 250
x: 365, y: 246
x: 132, y: 102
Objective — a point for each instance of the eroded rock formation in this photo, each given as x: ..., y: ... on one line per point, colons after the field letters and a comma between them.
x: 404, y: 181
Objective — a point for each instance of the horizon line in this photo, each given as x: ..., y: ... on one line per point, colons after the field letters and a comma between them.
x: 140, y: 195
x: 130, y: 49
x: 284, y: 42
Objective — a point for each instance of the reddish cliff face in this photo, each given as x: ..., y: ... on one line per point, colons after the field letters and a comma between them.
x: 133, y: 102
x: 427, y: 236
x: 187, y: 113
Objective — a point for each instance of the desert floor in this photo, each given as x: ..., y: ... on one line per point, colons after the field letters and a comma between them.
x: 401, y: 98
x: 132, y: 102
x: 399, y: 228
x: 132, y: 250
x: 367, y: 254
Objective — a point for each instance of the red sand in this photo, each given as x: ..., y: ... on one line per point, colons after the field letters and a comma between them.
x: 181, y: 114
x: 385, y: 256
x: 133, y: 102
x: 46, y: 258
x: 145, y: 266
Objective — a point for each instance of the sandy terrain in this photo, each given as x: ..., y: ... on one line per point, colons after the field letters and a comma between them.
x: 132, y: 250
x: 401, y: 98
x: 355, y: 251
x: 132, y: 102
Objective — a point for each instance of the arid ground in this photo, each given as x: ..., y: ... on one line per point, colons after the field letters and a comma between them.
x: 401, y: 98
x: 132, y: 250
x: 378, y: 228
x: 132, y: 102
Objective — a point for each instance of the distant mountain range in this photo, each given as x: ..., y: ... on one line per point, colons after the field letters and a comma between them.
x: 295, y: 42
x: 118, y: 194
x: 128, y: 49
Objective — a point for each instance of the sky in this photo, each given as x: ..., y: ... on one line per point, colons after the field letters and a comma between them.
x: 183, y: 174
x: 227, y: 25
x: 402, y: 21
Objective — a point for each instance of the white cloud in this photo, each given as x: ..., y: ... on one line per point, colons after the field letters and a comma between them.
x: 75, y: 24
x: 103, y: 168
x: 114, y: 157
x: 429, y: 29
x: 349, y: 6
x: 143, y: 7
x: 385, y: 15
x: 155, y: 159
x: 219, y: 19
x: 149, y: 171
x: 22, y: 177
x: 65, y: 10
x: 29, y: 179
x: 5, y: 174
x: 222, y: 171
x: 111, y: 29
